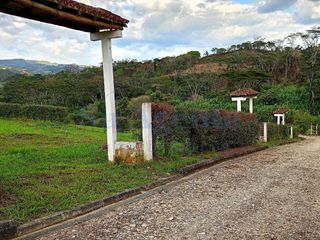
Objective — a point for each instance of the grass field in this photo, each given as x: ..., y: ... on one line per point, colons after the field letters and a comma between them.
x: 47, y: 167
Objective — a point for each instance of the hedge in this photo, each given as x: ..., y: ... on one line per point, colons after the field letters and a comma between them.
x: 280, y: 132
x: 36, y: 112
x: 202, y: 130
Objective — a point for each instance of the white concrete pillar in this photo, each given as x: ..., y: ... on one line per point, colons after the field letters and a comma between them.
x: 291, y: 132
x: 147, y: 131
x: 278, y: 119
x: 105, y: 37
x: 251, y: 105
x: 265, y: 132
x: 238, y: 100
x: 283, y: 120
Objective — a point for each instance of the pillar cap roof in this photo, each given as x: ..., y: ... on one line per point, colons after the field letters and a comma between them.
x: 245, y: 92
x: 281, y: 111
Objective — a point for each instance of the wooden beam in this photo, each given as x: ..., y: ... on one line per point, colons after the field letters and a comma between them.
x: 39, y: 12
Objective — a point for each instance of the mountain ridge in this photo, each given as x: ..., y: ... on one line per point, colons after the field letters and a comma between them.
x: 34, y: 66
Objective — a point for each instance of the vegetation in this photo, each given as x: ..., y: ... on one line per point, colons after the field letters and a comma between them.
x: 202, y: 130
x: 47, y: 167
x: 285, y: 73
x: 38, y: 112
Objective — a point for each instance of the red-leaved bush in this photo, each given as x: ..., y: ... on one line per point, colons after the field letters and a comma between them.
x: 202, y: 130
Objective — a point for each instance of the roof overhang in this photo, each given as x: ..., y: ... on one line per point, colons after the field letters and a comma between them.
x: 66, y: 13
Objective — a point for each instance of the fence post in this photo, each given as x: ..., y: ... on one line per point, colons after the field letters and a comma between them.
x: 265, y: 131
x: 311, y: 129
x: 147, y: 131
x: 317, y: 129
x: 291, y: 132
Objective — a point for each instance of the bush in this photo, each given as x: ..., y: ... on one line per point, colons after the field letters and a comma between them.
x: 303, y: 120
x: 36, y: 112
x: 10, y: 110
x: 202, y: 130
x: 279, y: 132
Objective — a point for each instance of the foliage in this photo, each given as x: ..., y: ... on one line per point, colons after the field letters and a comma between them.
x: 285, y: 74
x: 279, y: 132
x: 49, y: 167
x: 303, y: 121
x: 202, y: 130
x: 36, y: 112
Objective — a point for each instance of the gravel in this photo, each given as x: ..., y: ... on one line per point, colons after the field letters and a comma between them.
x: 273, y: 194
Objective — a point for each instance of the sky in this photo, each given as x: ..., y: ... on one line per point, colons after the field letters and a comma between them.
x: 160, y: 28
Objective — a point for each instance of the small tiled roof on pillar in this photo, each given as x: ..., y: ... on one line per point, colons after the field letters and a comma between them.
x: 246, y: 92
x: 281, y: 111
x: 66, y: 13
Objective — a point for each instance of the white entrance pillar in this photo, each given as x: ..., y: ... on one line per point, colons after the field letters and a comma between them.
x: 105, y: 37
x: 147, y: 130
x: 291, y: 132
x: 238, y: 100
x: 280, y: 119
x: 283, y: 119
x: 265, y: 132
x: 251, y: 103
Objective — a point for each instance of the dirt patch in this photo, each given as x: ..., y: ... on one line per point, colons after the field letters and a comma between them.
x: 6, y: 198
x: 211, y: 67
x: 23, y: 136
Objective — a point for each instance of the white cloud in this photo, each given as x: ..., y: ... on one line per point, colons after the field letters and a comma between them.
x: 159, y: 28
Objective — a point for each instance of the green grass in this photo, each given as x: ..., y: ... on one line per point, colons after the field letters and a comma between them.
x: 47, y: 167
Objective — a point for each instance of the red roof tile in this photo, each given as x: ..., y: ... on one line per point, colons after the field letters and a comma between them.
x: 281, y: 111
x: 65, y: 13
x: 247, y: 92
x: 86, y: 9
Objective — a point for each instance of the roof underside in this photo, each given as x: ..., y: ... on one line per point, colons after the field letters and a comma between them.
x: 66, y: 13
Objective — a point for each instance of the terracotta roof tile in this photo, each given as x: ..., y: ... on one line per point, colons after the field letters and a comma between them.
x: 93, y: 11
x: 281, y: 111
x: 247, y: 92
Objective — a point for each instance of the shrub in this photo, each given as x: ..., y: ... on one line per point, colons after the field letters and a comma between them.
x: 36, y: 112
x: 43, y: 112
x: 279, y: 132
x: 303, y: 120
x: 123, y: 124
x: 10, y: 110
x: 202, y: 130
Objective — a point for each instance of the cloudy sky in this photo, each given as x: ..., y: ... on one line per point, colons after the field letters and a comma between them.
x: 160, y: 28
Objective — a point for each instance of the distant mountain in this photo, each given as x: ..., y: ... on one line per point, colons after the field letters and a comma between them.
x: 33, y: 66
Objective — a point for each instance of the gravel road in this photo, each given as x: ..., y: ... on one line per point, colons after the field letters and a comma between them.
x: 273, y: 194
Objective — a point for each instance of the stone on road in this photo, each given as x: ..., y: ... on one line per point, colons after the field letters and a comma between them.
x: 273, y: 194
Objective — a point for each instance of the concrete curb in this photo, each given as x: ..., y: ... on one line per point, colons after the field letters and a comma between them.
x: 62, y: 216
x: 207, y: 163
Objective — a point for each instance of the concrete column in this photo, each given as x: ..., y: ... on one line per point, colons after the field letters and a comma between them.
x: 251, y: 105
x: 147, y: 131
x: 291, y: 132
x: 239, y: 106
x: 265, y: 132
x: 105, y: 37
x: 283, y: 120
x: 238, y: 100
x: 278, y: 119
